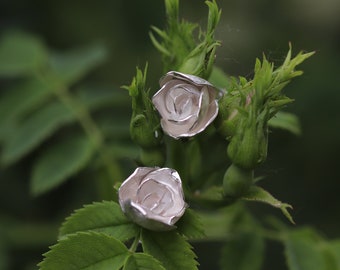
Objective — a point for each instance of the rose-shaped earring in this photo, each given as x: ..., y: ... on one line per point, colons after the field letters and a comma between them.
x: 153, y: 198
x: 187, y: 104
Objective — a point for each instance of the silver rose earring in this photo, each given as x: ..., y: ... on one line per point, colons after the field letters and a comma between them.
x: 153, y: 198
x: 186, y: 103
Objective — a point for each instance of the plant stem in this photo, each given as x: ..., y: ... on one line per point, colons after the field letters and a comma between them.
x: 90, y: 128
x: 92, y: 131
x: 135, y: 243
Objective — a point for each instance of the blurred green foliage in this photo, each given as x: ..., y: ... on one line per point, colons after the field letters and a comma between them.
x: 102, y: 43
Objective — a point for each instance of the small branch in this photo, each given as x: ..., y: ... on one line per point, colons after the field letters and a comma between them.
x: 92, y: 131
x: 135, y: 244
x: 89, y: 126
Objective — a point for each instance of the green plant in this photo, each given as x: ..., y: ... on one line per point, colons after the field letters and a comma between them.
x: 217, y: 166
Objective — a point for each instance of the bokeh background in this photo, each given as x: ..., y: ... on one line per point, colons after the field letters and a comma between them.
x: 303, y: 171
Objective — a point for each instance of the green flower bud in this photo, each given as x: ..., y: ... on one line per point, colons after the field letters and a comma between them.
x: 236, y: 181
x: 233, y: 106
x: 200, y: 61
x: 142, y: 132
x: 248, y: 148
x: 228, y: 116
x: 145, y: 124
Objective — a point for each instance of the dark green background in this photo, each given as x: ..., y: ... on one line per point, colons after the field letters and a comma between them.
x: 303, y: 171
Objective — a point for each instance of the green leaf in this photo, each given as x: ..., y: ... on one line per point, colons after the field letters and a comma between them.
x: 171, y: 249
x: 105, y: 217
x: 72, y: 66
x: 99, y: 96
x: 57, y: 163
x: 95, y: 251
x: 220, y: 222
x: 213, y: 17
x: 34, y: 130
x: 335, y: 247
x: 258, y: 194
x: 190, y: 225
x: 21, y: 54
x: 304, y: 250
x: 142, y: 261
x: 243, y: 251
x: 176, y: 42
x: 287, y: 121
x: 22, y: 98
x: 219, y: 79
x: 287, y: 70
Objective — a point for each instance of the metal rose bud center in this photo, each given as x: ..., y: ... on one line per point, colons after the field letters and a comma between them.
x: 153, y: 198
x: 186, y: 103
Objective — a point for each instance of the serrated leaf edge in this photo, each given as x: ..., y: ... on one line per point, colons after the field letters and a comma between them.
x: 278, y: 204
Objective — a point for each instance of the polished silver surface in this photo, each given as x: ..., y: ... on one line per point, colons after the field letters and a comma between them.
x: 186, y: 103
x: 153, y: 198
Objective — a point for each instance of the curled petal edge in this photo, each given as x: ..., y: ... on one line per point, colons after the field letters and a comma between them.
x: 148, y: 220
x: 185, y: 77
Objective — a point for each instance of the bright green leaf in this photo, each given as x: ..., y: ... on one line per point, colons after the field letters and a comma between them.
x: 287, y: 71
x: 287, y: 121
x: 258, y: 194
x: 190, y: 225
x: 176, y: 42
x: 213, y: 17
x: 142, y: 261
x: 243, y: 251
x: 72, y: 66
x: 304, y: 251
x: 21, y: 54
x: 156, y: 43
x: 105, y: 217
x: 95, y: 251
x: 34, y: 130
x: 60, y: 161
x: 219, y: 79
x: 171, y: 249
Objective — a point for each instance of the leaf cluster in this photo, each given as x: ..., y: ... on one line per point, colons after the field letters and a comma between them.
x: 180, y: 49
x: 96, y: 237
x: 262, y: 97
x: 47, y: 113
x: 246, y: 241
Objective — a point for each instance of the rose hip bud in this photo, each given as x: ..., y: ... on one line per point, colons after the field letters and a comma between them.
x: 153, y: 198
x: 143, y: 132
x: 187, y: 104
x: 229, y: 115
x: 144, y: 126
x: 248, y: 147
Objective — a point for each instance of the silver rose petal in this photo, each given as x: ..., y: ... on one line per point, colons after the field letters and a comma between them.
x: 153, y: 198
x: 187, y: 104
